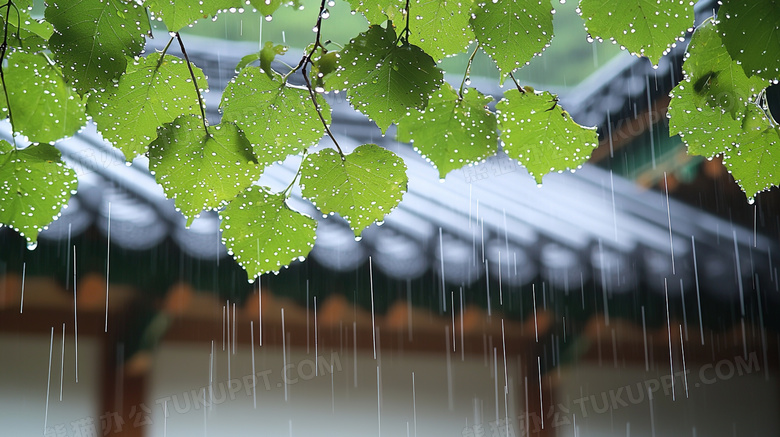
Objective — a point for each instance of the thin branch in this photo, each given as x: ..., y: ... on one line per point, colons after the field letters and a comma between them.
x: 195, y: 82
x: 319, y: 112
x: 306, y: 60
x: 3, y: 51
x: 468, y: 71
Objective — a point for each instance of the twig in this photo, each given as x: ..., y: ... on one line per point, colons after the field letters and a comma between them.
x: 306, y: 60
x: 195, y: 82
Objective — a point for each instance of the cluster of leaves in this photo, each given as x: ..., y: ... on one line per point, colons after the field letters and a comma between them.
x: 721, y: 107
x: 84, y: 60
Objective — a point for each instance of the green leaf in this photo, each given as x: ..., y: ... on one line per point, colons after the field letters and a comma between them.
x: 25, y: 32
x: 754, y: 158
x: 34, y: 186
x: 93, y: 38
x: 707, y: 107
x: 201, y: 171
x: 439, y: 27
x: 383, y: 80
x: 266, y: 7
x: 180, y: 13
x: 452, y: 132
x: 263, y: 234
x: 278, y: 119
x: 266, y: 56
x: 151, y: 93
x: 23, y: 5
x: 713, y: 112
x: 44, y: 107
x: 644, y: 27
x: 361, y: 188
x: 705, y: 129
x: 512, y: 32
x: 376, y: 11
x: 714, y: 75
x: 751, y: 33
x: 542, y: 136
x: 749, y: 144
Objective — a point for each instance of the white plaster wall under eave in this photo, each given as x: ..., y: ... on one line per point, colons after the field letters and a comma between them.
x: 24, y: 362
x: 338, y: 403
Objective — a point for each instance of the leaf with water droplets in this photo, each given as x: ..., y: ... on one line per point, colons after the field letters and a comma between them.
x: 278, y: 119
x: 537, y: 132
x: 751, y: 33
x: 263, y: 234
x: 34, y: 186
x: 754, y: 158
x: 384, y: 80
x: 749, y: 145
x: 707, y: 107
x: 93, y: 38
x: 644, y: 27
x: 715, y: 76
x: 24, y: 32
x: 452, y: 132
x: 439, y: 27
x: 152, y: 92
x: 266, y: 7
x: 713, y: 112
x: 362, y: 187
x: 376, y: 11
x: 512, y: 32
x: 22, y: 5
x: 706, y: 130
x: 43, y: 106
x: 178, y: 14
x: 199, y: 170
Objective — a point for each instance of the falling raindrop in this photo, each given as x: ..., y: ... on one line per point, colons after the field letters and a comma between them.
x: 21, y: 304
x: 48, y: 382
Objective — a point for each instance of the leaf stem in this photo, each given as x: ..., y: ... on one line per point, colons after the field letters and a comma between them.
x: 194, y: 82
x: 468, y: 71
x: 298, y: 173
x: 519, y: 88
x: 762, y: 101
x: 3, y: 51
x: 162, y: 54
